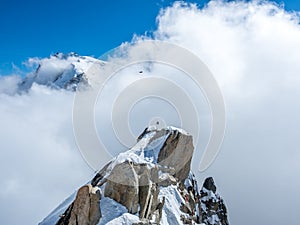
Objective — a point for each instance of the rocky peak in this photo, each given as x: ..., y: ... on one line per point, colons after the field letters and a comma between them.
x: 61, y: 55
x: 212, y: 208
x: 60, y: 71
x: 151, y: 183
x: 209, y: 184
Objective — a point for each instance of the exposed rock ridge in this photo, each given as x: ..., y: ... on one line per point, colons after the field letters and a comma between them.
x: 138, y: 180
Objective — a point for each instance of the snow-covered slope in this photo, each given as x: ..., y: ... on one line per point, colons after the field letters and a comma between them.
x: 60, y: 71
x: 144, y: 186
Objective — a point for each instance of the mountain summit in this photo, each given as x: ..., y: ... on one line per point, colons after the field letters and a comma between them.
x: 151, y: 183
x: 66, y: 71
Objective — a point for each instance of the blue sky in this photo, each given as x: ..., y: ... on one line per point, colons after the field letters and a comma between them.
x: 39, y: 28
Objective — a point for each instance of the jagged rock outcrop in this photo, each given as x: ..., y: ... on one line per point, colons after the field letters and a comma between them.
x: 137, y: 185
x: 133, y: 186
x: 151, y: 183
x: 212, y: 208
x: 206, y: 207
x: 209, y: 184
x: 147, y: 191
x: 85, y: 209
x: 177, y: 153
x: 189, y: 192
x: 123, y: 186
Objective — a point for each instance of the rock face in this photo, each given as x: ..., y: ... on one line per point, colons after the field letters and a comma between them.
x: 206, y: 207
x: 177, y: 153
x: 123, y: 186
x: 136, y: 185
x: 209, y: 184
x: 85, y: 209
x: 212, y: 208
x: 151, y: 183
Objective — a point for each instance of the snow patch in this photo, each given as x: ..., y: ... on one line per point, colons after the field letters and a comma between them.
x: 125, y: 219
x: 110, y: 210
x: 171, y: 210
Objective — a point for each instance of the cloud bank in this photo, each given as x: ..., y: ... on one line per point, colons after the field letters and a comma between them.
x: 252, y: 49
x: 38, y: 154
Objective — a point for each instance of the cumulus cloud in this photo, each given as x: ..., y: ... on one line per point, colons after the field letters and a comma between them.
x: 38, y: 153
x: 9, y: 84
x: 252, y: 48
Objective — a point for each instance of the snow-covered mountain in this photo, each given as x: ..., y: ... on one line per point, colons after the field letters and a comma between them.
x: 60, y: 71
x: 151, y: 183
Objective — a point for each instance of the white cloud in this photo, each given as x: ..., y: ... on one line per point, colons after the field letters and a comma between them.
x: 9, y: 84
x: 237, y: 39
x: 38, y: 154
x: 253, y: 50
